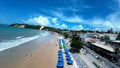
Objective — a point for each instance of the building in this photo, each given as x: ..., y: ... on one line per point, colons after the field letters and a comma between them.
x: 115, y: 43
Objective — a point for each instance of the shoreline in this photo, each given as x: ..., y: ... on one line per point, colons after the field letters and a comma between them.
x: 33, y: 54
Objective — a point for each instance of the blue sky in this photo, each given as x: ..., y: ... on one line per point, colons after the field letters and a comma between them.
x: 64, y: 14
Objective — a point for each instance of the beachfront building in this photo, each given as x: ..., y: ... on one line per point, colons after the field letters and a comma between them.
x: 115, y: 43
x: 105, y: 50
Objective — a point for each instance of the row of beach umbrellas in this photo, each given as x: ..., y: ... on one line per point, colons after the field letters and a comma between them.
x: 60, y: 63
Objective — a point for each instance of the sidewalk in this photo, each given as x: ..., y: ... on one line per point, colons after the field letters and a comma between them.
x: 85, y: 59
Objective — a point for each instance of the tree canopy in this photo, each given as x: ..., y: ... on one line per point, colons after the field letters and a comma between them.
x: 118, y: 37
x: 76, y: 42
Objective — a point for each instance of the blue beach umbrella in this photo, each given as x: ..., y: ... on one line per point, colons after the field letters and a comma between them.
x: 68, y: 58
x: 67, y: 55
x: 69, y: 62
x: 60, y: 59
x: 60, y: 55
x: 60, y: 65
x: 66, y: 51
x: 59, y: 51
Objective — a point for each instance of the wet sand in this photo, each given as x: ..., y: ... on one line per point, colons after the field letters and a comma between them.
x: 33, y: 54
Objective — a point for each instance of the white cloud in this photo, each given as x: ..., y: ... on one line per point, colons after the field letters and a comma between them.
x: 108, y: 24
x: 100, y: 24
x: 56, y: 24
x: 114, y: 19
x: 63, y: 26
x: 73, y: 19
x: 46, y: 21
x: 54, y: 20
x: 77, y: 27
x: 39, y: 21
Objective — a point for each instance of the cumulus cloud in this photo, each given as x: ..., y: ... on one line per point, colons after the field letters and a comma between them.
x: 114, y: 19
x: 54, y: 20
x: 46, y: 21
x: 63, y: 26
x: 39, y: 21
x: 77, y: 27
x: 58, y: 25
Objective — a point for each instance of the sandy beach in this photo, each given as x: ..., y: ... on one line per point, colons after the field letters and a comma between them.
x: 33, y: 54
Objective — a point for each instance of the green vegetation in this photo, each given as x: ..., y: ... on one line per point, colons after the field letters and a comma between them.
x: 65, y: 35
x: 110, y: 30
x: 118, y: 37
x: 105, y: 38
x: 117, y: 50
x: 76, y: 42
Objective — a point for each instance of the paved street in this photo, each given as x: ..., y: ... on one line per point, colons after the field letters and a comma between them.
x: 104, y: 60
x: 80, y: 62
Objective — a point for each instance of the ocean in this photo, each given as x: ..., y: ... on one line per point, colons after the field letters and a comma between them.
x: 12, y: 36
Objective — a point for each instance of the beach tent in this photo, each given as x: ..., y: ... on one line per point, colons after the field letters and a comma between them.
x: 60, y: 65
x: 69, y: 62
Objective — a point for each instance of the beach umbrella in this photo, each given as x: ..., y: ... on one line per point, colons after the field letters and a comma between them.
x: 66, y: 51
x: 67, y: 55
x: 60, y: 59
x: 59, y: 50
x: 65, y: 47
x: 69, y: 62
x: 60, y: 65
x: 60, y: 46
x: 60, y: 54
x: 68, y: 58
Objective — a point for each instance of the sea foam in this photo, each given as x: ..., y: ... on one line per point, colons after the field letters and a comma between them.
x: 14, y: 43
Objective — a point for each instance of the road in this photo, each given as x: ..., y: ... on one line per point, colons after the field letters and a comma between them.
x: 104, y: 60
x: 80, y: 62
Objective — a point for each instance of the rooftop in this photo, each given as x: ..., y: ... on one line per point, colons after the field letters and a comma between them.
x: 116, y: 41
x: 106, y: 47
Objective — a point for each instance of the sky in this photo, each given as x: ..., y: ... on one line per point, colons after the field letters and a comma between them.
x: 65, y: 14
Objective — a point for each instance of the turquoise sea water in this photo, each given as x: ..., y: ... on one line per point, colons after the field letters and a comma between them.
x: 12, y: 36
